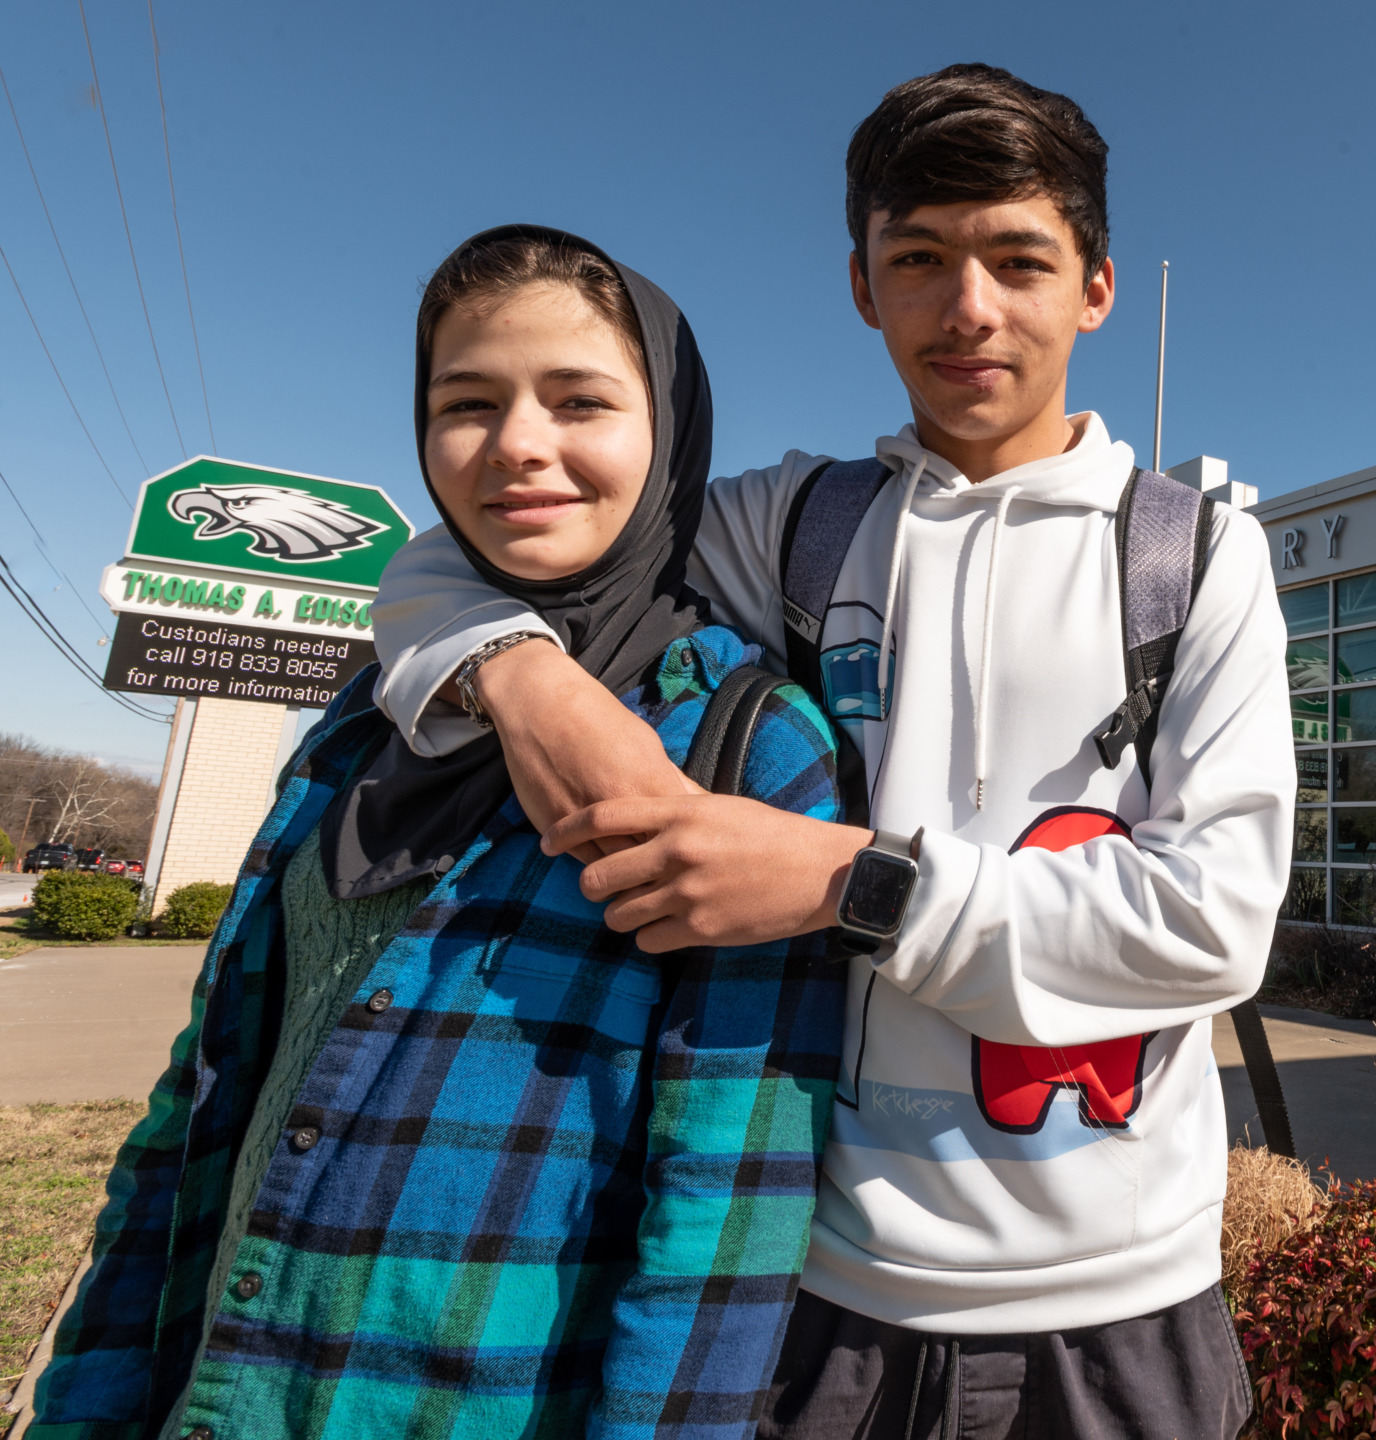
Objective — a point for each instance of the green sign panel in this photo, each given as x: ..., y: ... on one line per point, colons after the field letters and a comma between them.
x: 229, y: 516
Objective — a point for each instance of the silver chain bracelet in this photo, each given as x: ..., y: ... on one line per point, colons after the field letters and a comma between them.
x: 476, y: 659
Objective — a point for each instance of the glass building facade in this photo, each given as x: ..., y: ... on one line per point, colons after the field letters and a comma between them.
x: 1331, y: 659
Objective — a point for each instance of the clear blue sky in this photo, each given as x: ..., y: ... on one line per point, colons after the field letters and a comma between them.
x: 327, y: 156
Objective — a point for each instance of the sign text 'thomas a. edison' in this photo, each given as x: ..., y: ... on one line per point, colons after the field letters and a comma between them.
x: 273, y: 604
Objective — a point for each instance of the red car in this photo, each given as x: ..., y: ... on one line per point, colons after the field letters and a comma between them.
x: 134, y: 867
x: 115, y: 867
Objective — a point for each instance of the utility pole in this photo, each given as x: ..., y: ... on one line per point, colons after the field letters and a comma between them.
x: 33, y: 800
x: 1160, y: 370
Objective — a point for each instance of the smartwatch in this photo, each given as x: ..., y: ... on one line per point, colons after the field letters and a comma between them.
x: 877, y: 891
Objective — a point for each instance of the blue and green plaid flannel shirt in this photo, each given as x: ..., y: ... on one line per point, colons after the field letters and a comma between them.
x: 559, y: 1186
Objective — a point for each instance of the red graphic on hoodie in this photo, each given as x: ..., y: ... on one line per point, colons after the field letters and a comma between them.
x: 1015, y: 1084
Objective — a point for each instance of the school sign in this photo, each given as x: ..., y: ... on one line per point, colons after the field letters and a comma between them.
x: 251, y: 584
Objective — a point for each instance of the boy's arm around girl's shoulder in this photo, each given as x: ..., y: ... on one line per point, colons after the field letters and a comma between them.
x: 433, y: 610
x: 744, y: 1074
x: 96, y: 1386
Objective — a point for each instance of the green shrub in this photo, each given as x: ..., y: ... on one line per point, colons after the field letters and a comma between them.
x: 7, y: 850
x: 81, y: 905
x: 1307, y: 1321
x: 192, y: 910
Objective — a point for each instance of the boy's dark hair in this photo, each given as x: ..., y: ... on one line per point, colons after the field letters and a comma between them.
x: 974, y: 132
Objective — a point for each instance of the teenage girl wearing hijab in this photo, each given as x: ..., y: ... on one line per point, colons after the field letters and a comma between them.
x: 440, y: 1154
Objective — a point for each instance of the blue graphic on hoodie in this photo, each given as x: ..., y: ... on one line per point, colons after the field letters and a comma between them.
x: 850, y: 680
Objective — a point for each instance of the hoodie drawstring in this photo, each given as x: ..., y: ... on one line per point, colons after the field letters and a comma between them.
x: 895, y: 566
x: 987, y: 648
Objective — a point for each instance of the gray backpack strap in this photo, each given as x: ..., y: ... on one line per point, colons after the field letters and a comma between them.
x: 717, y: 756
x: 822, y: 521
x: 1162, y: 539
x: 1162, y: 534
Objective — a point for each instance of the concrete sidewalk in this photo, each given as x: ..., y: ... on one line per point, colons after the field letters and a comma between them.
x: 91, y: 1023
x: 1328, y: 1072
x: 96, y: 1023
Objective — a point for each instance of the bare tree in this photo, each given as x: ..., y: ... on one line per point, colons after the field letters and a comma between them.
x: 83, y: 793
x: 52, y: 794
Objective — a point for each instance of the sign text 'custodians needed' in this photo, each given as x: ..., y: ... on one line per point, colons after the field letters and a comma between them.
x: 249, y: 584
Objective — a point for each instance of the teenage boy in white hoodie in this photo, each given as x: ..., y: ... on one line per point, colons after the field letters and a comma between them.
x: 991, y: 1255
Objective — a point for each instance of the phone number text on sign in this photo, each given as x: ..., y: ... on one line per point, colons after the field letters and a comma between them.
x: 155, y: 656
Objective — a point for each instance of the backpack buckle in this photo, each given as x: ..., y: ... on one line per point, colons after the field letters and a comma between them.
x: 1126, y: 722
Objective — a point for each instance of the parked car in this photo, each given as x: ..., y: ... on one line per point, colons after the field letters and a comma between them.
x: 91, y: 859
x: 135, y: 868
x: 115, y: 867
x: 50, y: 857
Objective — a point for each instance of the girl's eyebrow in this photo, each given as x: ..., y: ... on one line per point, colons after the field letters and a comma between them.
x: 574, y: 372
x: 455, y: 377
x: 471, y: 377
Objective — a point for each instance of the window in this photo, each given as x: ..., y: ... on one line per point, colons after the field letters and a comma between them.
x: 1354, y: 715
x: 1354, y: 896
x: 1313, y: 775
x: 1356, y: 600
x: 1307, y: 897
x: 1356, y: 834
x: 1305, y: 610
x: 1307, y: 663
x: 1311, y: 835
x: 1356, y: 656
x: 1331, y: 660
x: 1309, y: 717
x: 1354, y: 774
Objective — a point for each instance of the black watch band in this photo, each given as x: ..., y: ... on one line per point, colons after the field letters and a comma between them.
x: 877, y: 891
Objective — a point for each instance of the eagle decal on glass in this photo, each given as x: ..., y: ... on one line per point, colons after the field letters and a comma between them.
x: 1015, y: 1084
x: 285, y: 524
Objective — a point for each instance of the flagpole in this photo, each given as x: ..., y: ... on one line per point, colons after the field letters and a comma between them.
x: 1160, y: 370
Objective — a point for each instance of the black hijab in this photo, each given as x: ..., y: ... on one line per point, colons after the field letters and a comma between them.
x: 406, y: 817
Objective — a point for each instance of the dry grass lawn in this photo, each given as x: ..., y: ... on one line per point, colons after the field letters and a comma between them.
x: 53, y: 1164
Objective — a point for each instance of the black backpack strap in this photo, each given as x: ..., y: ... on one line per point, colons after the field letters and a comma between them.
x: 1264, y: 1078
x: 1161, y: 535
x: 717, y: 756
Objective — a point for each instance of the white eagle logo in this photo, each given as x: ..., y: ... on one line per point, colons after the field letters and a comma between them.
x: 286, y: 524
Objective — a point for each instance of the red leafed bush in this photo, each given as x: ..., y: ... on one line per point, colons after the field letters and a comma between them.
x: 1307, y: 1321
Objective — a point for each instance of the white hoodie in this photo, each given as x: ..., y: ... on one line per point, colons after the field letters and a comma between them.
x: 1018, y: 1181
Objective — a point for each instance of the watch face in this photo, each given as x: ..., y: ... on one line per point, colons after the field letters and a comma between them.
x: 877, y: 894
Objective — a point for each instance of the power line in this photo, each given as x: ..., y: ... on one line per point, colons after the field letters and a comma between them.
x: 85, y: 429
x: 43, y: 550
x: 63, y: 646
x: 13, y: 584
x: 181, y: 254
x: 128, y: 234
x: 70, y: 277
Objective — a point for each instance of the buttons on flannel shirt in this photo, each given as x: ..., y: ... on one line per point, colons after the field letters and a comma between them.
x: 201, y: 1432
x: 305, y: 1138
x: 685, y: 656
x: 249, y: 1285
x: 379, y: 1001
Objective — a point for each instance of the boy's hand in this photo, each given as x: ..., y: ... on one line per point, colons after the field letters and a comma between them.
x: 568, y: 741
x: 711, y: 869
